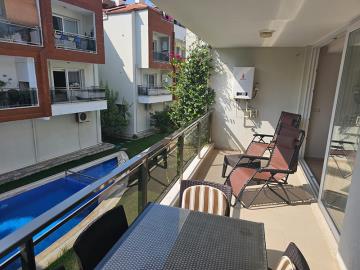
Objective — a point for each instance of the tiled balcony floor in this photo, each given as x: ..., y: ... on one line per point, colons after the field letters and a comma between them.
x: 301, y: 222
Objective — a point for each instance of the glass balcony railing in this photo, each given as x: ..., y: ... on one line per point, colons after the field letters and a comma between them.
x: 161, y: 56
x: 72, y: 41
x: 15, y: 98
x: 156, y: 90
x: 16, y: 33
x: 147, y: 177
x: 64, y: 95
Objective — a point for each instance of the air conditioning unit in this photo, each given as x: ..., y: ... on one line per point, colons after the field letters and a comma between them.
x: 82, y: 117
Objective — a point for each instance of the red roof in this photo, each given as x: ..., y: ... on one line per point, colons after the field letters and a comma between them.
x: 126, y: 8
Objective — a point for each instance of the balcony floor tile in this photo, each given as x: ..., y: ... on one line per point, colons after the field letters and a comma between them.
x: 301, y: 222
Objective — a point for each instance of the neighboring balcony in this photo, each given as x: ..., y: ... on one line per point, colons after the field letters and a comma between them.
x: 18, y: 85
x: 161, y: 47
x: 74, y: 27
x: 76, y: 42
x: 19, y: 22
x: 153, y: 94
x: 18, y: 98
x: 67, y: 101
x: 161, y: 56
x: 17, y: 33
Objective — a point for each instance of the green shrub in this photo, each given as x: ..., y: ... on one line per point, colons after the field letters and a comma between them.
x: 162, y: 121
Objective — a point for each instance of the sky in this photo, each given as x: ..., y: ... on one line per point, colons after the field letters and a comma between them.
x: 146, y: 1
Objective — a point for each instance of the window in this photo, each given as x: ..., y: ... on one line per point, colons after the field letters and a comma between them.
x: 2, y: 9
x: 71, y: 26
x: 57, y: 23
x: 67, y: 25
x: 150, y: 80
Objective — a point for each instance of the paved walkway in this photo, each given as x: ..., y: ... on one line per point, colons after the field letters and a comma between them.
x: 38, y: 167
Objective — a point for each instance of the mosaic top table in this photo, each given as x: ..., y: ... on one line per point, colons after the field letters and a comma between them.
x: 164, y: 237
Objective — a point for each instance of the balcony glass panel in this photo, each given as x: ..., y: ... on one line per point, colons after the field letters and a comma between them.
x: 78, y: 94
x: 17, y: 33
x: 18, y: 86
x: 154, y: 90
x: 144, y: 178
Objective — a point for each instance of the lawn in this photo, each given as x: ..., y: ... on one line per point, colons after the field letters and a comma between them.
x: 134, y: 147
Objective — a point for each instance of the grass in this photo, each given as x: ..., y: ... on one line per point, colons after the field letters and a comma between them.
x: 134, y: 147
x: 67, y: 259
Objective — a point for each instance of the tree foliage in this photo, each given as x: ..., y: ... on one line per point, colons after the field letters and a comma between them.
x: 193, y: 96
x: 116, y: 116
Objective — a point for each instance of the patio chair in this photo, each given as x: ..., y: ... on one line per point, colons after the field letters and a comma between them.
x: 99, y: 237
x: 282, y: 162
x: 205, y: 197
x: 258, y: 145
x: 292, y: 259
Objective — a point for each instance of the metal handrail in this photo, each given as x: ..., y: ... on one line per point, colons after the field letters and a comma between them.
x: 23, y: 237
x: 73, y: 34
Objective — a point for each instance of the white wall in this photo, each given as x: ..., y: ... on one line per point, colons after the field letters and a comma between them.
x: 119, y: 69
x: 278, y: 72
x: 26, y: 142
x: 142, y: 38
x: 180, y: 32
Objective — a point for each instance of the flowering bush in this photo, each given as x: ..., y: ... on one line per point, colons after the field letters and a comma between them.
x: 190, y: 76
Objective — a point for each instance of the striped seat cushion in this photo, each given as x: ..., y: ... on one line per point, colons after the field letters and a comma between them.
x: 205, y: 199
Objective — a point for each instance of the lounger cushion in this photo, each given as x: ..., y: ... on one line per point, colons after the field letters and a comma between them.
x: 240, y: 176
x: 205, y: 199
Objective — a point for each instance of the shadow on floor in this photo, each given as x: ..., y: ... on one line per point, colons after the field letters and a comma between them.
x: 298, y: 195
x: 273, y: 257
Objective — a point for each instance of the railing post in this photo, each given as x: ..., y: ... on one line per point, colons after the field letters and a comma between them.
x: 210, y: 126
x: 28, y: 255
x: 142, y: 185
x: 180, y: 156
x: 198, y: 132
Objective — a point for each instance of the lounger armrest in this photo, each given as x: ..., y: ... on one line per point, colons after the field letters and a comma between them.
x: 259, y: 137
x: 274, y: 171
x: 263, y: 135
x: 342, y: 142
x: 253, y: 157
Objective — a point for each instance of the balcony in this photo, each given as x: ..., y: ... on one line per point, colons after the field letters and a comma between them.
x: 74, y: 27
x: 18, y: 98
x: 161, y: 56
x: 76, y: 42
x: 67, y: 101
x: 186, y: 154
x: 22, y: 34
x: 153, y: 94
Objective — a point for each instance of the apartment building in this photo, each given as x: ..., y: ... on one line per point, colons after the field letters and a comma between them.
x: 139, y: 40
x: 50, y: 99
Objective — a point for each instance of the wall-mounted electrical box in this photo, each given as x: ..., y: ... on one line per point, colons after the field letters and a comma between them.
x: 243, y: 82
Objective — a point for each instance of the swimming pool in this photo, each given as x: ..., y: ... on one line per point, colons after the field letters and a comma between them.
x: 20, y: 209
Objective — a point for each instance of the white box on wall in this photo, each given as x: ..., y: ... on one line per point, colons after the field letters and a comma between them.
x: 243, y: 82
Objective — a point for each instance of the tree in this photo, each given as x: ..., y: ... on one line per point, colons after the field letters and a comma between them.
x: 116, y: 116
x: 193, y: 96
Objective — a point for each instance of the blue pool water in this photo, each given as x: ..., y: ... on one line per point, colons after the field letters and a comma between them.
x: 18, y: 210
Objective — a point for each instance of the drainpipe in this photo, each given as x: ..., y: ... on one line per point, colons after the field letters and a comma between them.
x: 133, y: 14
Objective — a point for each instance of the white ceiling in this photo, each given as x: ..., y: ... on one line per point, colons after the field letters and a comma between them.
x: 232, y: 23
